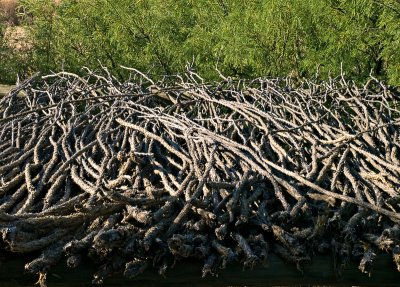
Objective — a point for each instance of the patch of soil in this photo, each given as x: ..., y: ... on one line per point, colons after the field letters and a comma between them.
x: 4, y: 89
x: 8, y: 11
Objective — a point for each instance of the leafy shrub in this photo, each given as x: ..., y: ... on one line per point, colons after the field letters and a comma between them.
x: 243, y: 38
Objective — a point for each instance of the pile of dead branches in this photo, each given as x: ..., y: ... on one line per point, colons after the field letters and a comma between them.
x: 139, y: 174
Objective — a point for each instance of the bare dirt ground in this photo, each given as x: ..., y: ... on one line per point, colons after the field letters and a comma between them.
x: 8, y: 11
x: 4, y: 89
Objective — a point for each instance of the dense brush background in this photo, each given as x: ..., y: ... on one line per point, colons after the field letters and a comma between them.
x: 241, y: 38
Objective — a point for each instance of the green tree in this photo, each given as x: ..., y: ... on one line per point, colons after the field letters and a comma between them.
x: 389, y: 22
x: 242, y: 38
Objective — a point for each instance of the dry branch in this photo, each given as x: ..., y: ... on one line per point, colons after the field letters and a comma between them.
x: 138, y: 174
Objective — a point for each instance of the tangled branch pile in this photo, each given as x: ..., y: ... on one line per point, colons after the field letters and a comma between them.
x: 138, y: 174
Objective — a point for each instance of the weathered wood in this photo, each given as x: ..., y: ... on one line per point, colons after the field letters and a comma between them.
x: 276, y: 272
x: 136, y: 174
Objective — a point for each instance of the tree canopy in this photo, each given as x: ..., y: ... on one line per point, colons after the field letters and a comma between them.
x: 242, y: 38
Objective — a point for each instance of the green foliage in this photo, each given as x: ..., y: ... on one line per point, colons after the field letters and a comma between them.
x: 4, y: 51
x: 390, y: 24
x: 242, y: 38
x: 10, y: 60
